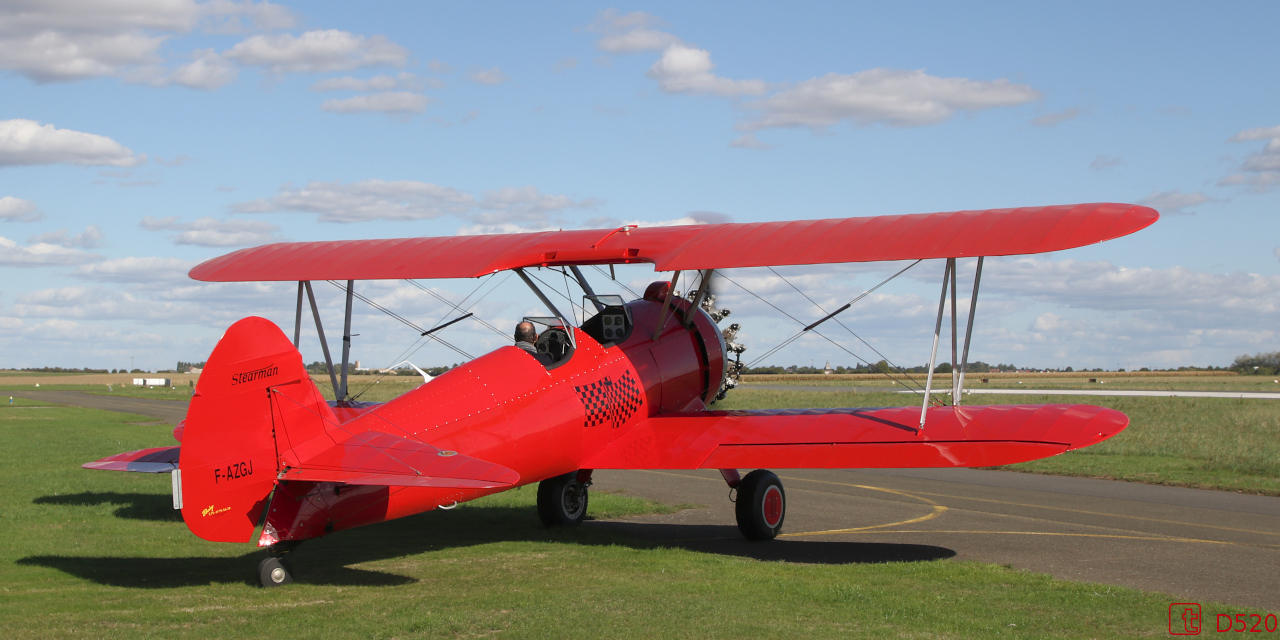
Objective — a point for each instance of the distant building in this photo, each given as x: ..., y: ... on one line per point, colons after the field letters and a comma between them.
x: 152, y: 382
x: 826, y: 368
x: 194, y: 370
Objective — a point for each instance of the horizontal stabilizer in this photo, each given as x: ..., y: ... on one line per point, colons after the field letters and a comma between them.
x: 376, y: 458
x: 859, y: 438
x: 156, y: 460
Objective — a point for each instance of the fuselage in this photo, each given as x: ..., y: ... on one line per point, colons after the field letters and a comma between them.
x: 507, y: 408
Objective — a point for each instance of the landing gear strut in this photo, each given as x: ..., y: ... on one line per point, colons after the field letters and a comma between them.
x: 761, y: 505
x: 562, y: 500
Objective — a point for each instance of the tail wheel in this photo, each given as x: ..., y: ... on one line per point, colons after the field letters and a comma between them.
x: 761, y: 506
x: 562, y: 501
x: 274, y: 572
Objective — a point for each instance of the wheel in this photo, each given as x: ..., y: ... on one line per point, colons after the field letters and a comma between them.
x: 762, y: 505
x: 274, y: 572
x: 562, y: 501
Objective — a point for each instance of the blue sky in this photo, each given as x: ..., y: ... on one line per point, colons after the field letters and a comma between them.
x: 140, y: 137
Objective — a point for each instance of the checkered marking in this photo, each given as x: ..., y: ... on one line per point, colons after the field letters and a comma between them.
x: 609, y: 402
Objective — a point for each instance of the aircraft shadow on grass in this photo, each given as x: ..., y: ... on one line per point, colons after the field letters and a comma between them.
x: 329, y: 560
x: 132, y: 506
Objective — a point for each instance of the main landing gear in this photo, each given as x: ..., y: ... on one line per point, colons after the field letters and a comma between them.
x: 562, y: 500
x: 761, y: 505
x: 275, y: 570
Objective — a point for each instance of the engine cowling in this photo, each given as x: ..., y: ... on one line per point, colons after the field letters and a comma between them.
x: 685, y: 367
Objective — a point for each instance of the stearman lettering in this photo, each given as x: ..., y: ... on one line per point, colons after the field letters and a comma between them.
x: 245, y: 377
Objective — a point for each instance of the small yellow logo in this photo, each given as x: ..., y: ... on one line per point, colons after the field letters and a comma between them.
x: 213, y: 511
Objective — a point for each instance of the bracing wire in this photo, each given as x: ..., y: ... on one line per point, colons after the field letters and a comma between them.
x: 415, y: 327
x: 573, y: 305
x: 851, y: 302
x: 410, y: 350
x: 797, y: 336
x: 618, y: 282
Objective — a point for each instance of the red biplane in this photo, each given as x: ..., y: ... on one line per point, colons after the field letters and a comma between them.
x: 265, y: 457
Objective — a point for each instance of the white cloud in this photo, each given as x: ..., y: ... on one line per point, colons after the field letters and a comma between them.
x: 1104, y: 162
x: 684, y: 69
x: 42, y: 254
x: 227, y: 16
x: 1261, y: 169
x: 488, y: 76
x: 99, y: 304
x: 1216, y: 300
x: 136, y: 270
x: 439, y: 66
x: 317, y: 52
x: 91, y: 238
x: 749, y: 141
x: 210, y: 232
x: 1055, y: 119
x: 66, y: 40
x: 1175, y: 202
x: 630, y: 33
x: 877, y: 96
x: 207, y: 70
x: 366, y: 200
x: 397, y: 102
x: 882, y: 96
x: 402, y: 80
x: 524, y: 205
x: 1054, y: 323
x: 411, y: 200
x: 26, y: 142
x: 18, y: 210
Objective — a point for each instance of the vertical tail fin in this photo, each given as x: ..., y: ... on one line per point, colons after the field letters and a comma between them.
x: 254, y: 380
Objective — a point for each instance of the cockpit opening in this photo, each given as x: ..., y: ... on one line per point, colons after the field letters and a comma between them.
x: 612, y: 323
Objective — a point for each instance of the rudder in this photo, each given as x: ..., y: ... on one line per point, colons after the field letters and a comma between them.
x: 230, y: 457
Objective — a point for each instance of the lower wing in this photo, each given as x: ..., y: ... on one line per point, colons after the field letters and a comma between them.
x: 964, y: 436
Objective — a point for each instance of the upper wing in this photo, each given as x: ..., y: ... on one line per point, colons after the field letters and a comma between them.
x: 377, y: 458
x: 964, y: 436
x: 994, y: 232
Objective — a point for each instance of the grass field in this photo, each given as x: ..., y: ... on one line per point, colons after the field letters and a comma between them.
x: 101, y: 554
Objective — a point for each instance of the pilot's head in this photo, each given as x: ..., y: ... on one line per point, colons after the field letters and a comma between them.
x: 525, y: 333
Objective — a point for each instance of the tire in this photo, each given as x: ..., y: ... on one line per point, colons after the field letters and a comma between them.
x: 562, y: 501
x: 761, y: 506
x: 274, y: 572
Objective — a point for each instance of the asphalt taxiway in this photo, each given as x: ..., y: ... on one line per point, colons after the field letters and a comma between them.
x: 1195, y: 545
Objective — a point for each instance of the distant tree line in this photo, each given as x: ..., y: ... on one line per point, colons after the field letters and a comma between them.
x: 1263, y: 364
x: 184, y: 366
x: 63, y: 370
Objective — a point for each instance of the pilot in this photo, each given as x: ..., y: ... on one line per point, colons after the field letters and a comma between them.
x: 527, y: 338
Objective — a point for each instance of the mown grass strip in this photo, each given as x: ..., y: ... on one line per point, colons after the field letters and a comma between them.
x: 89, y: 553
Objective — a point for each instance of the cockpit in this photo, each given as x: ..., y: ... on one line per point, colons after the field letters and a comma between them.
x: 555, y: 340
x: 610, y: 325
x: 612, y: 322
